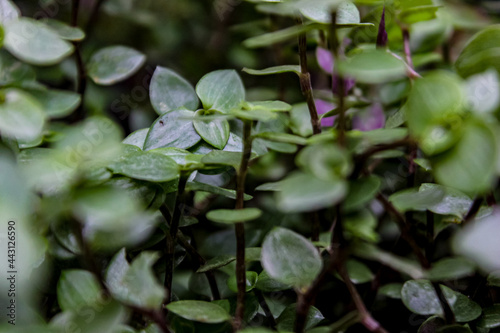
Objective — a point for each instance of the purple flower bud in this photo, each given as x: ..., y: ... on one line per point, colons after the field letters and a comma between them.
x: 323, y: 107
x: 325, y: 59
x: 371, y: 118
x: 382, y: 32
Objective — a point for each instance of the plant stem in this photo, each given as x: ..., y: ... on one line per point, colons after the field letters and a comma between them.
x: 191, y: 250
x: 239, y: 227
x: 404, y: 228
x: 74, y: 13
x: 474, y: 209
x: 365, y: 317
x: 449, y: 316
x: 429, y: 249
x: 340, y: 84
x: 263, y: 304
x: 338, y: 254
x: 361, y: 159
x: 81, y: 80
x: 305, y: 83
x: 93, y: 17
x: 172, y: 237
x: 407, y: 49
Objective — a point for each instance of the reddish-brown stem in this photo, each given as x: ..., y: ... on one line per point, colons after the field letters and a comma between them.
x: 305, y: 83
x: 404, y: 228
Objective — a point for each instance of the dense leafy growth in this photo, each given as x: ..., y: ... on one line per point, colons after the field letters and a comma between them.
x: 249, y: 166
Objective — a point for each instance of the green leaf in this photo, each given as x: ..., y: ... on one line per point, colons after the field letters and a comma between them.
x: 362, y: 224
x: 480, y: 53
x: 301, y: 192
x: 402, y: 265
x: 218, y: 157
x: 221, y: 90
x: 105, y: 318
x: 418, y: 14
x: 56, y: 103
x: 392, y: 290
x: 32, y: 42
x: 21, y: 116
x: 321, y: 12
x: 453, y: 202
x: 267, y: 105
x: 137, y: 138
x: 200, y: 311
x: 251, y: 280
x: 259, y: 115
x: 450, y: 269
x: 286, y: 320
x: 413, y: 199
x: 114, y: 64
x: 432, y: 324
x: 112, y: 218
x: 281, y: 137
x: 135, y: 284
x: 479, y: 242
x: 494, y: 279
x: 216, y: 262
x: 420, y: 297
x: 290, y: 258
x: 77, y: 289
x: 434, y: 109
x: 268, y: 284
x: 330, y: 161
x: 64, y: 30
x: 197, y: 186
x: 186, y: 160
x: 490, y: 318
x: 436, y: 198
x: 358, y: 272
x: 169, y: 91
x: 232, y: 216
x: 361, y: 192
x: 252, y: 254
x: 173, y: 129
x: 300, y: 120
x: 470, y: 166
x: 146, y: 166
x: 8, y: 11
x: 274, y: 70
x: 279, y: 36
x: 214, y: 131
x: 483, y: 91
x: 374, y: 66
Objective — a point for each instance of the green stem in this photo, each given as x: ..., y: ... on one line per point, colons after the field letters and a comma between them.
x: 240, y: 228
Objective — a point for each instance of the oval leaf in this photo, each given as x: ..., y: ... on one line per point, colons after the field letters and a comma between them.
x: 214, y: 131
x: 231, y: 216
x: 290, y: 258
x: 21, y: 116
x: 169, y: 91
x: 173, y: 129
x: 114, y: 64
x: 221, y: 90
x: 204, y: 312
x: 147, y: 166
x: 34, y: 43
